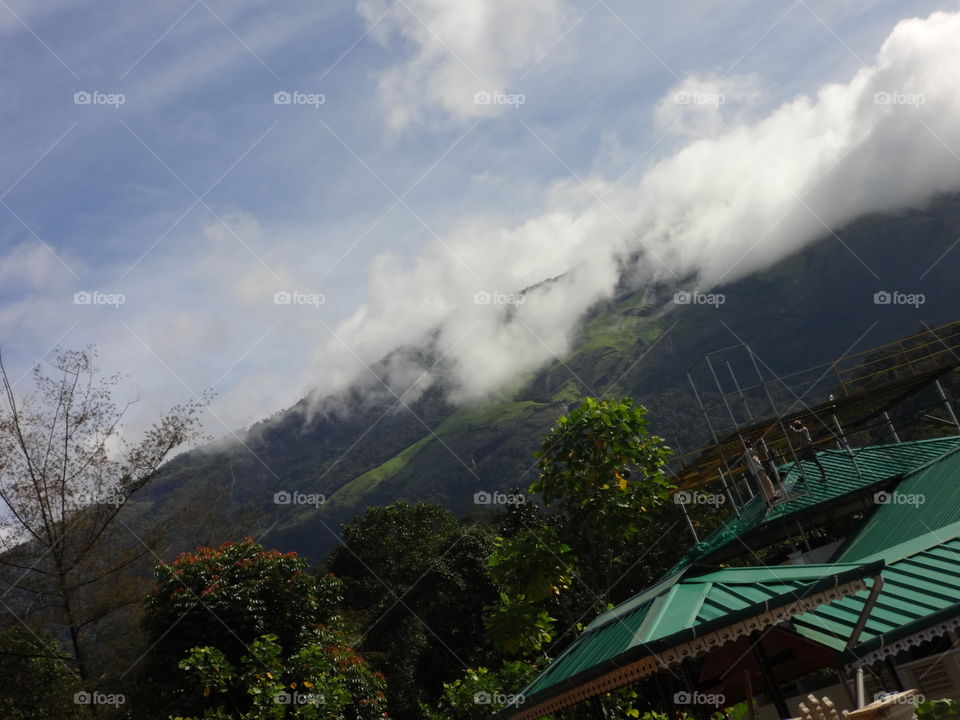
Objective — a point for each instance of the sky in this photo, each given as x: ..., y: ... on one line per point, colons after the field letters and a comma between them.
x: 263, y: 199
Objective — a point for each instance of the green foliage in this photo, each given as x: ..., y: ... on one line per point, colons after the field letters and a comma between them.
x: 35, y: 683
x: 532, y: 563
x: 221, y: 604
x: 531, y: 566
x: 938, y: 710
x: 226, y: 597
x: 602, y: 472
x: 588, y: 459
x: 482, y: 692
x: 519, y: 626
x: 312, y: 684
x: 416, y: 583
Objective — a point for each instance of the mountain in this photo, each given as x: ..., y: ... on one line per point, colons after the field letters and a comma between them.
x: 807, y: 310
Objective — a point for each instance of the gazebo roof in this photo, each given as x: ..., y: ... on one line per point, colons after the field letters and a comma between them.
x: 685, y: 615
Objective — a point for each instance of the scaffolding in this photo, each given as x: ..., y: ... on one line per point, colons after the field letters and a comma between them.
x: 862, y: 387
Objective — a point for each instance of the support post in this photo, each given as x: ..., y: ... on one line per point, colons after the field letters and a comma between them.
x: 761, y: 657
x: 860, y: 690
x: 693, y: 530
x: 846, y: 445
x: 748, y: 683
x: 946, y: 403
x: 726, y: 488
x: 897, y: 682
x: 743, y: 398
x: 890, y: 427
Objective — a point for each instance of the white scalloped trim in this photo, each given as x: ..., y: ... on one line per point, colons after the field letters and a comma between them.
x: 918, y: 638
x: 698, y: 646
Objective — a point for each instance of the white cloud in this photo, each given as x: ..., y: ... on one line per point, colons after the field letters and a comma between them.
x: 459, y: 49
x: 723, y: 206
x: 703, y: 106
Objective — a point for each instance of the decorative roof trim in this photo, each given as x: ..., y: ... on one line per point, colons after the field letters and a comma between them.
x: 914, y: 640
x: 648, y: 665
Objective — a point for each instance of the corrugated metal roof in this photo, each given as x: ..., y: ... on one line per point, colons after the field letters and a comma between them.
x: 685, y: 603
x: 925, y: 500
x: 921, y: 582
x: 870, y: 467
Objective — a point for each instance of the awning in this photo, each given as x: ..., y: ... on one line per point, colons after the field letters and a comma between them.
x: 686, y: 615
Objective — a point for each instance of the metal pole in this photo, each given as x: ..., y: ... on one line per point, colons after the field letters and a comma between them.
x: 846, y: 446
x: 743, y: 397
x: 890, y: 427
x: 773, y: 406
x: 723, y: 397
x: 702, y: 408
x: 733, y: 502
x: 706, y: 417
x: 946, y: 402
x: 860, y: 690
x: 683, y: 507
x: 804, y: 536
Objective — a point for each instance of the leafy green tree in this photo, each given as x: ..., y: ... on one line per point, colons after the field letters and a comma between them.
x: 324, y: 680
x: 600, y: 473
x: 36, y: 683
x: 225, y: 600
x: 481, y: 692
x: 416, y: 579
x: 530, y: 567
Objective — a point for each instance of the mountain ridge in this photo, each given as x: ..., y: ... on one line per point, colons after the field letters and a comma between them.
x: 806, y: 309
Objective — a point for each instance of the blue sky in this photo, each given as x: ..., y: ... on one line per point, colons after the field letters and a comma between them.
x: 199, y: 197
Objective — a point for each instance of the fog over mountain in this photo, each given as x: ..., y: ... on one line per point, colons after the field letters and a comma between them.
x: 740, y: 193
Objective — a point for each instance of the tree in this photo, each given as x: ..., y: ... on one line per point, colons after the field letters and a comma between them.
x: 603, y: 469
x: 481, y: 692
x: 226, y: 598
x: 600, y: 472
x: 66, y: 476
x: 34, y: 684
x: 322, y: 680
x: 416, y: 579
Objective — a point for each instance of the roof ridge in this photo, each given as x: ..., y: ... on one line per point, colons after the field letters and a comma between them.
x: 917, y: 545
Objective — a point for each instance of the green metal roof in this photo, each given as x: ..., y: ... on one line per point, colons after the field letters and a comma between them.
x: 681, y: 608
x: 921, y: 587
x: 925, y: 500
x: 871, y: 467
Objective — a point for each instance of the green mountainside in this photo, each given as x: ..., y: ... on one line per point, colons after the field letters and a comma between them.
x: 806, y: 310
